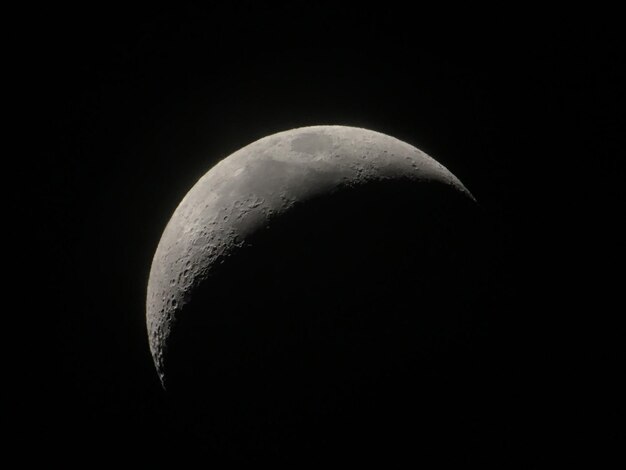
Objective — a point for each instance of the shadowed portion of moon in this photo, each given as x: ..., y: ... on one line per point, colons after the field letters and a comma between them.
x: 346, y: 318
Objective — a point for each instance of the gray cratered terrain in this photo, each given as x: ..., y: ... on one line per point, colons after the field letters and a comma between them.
x: 304, y: 267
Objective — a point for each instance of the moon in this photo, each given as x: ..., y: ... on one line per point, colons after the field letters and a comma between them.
x: 306, y: 270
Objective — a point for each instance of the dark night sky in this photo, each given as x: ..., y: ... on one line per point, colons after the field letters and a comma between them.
x: 131, y: 107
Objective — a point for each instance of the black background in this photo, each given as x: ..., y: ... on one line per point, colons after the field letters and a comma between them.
x: 128, y: 108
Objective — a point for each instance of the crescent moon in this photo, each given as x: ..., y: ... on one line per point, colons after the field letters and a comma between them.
x: 248, y: 194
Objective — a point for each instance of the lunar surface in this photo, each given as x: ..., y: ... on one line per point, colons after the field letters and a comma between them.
x: 315, y: 281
